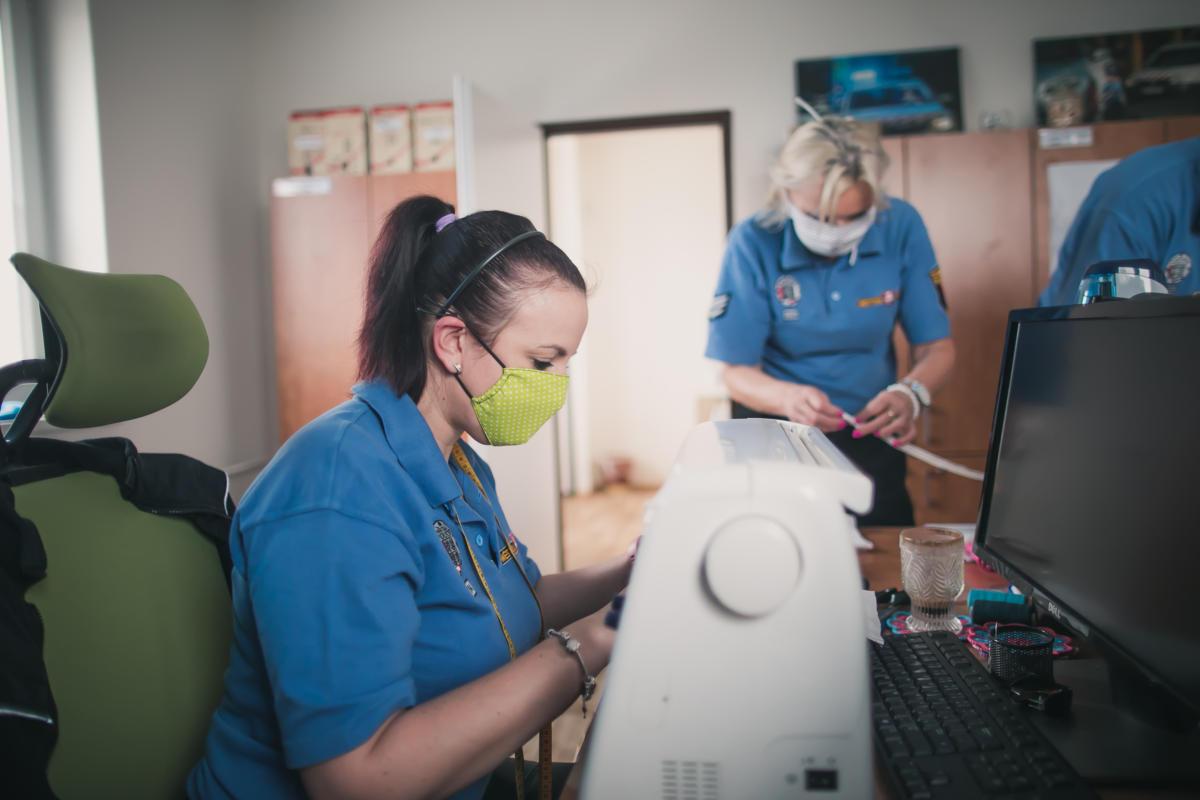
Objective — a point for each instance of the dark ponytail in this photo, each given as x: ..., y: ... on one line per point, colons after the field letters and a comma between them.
x: 414, y: 268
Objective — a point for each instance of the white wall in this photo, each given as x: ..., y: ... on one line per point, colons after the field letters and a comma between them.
x: 550, y: 61
x: 175, y: 96
x: 193, y: 99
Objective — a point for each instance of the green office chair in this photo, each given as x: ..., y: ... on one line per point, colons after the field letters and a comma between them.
x: 135, y: 605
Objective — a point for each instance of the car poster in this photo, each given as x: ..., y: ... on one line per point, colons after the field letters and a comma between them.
x: 905, y: 92
x: 1083, y: 79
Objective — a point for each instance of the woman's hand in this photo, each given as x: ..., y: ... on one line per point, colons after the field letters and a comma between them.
x: 889, y: 415
x: 811, y: 406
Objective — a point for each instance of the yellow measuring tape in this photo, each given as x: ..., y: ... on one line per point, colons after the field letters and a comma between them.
x: 545, y: 768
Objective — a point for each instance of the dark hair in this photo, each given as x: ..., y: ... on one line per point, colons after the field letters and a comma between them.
x: 414, y: 268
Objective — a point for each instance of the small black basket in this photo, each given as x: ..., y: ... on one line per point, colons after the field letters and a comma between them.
x: 1018, y: 651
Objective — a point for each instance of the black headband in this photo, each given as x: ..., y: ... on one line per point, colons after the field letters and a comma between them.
x: 473, y: 274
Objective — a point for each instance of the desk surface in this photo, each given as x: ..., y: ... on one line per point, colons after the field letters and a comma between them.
x: 881, y: 567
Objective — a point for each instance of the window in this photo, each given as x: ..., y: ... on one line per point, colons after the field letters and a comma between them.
x: 11, y: 345
x: 18, y: 312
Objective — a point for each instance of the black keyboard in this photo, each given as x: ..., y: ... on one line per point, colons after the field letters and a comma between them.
x: 945, y: 728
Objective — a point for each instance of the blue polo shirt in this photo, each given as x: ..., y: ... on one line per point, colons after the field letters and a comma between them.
x: 827, y: 322
x: 1147, y: 206
x: 347, y: 604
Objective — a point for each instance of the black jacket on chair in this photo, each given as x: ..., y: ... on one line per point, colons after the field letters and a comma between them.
x: 166, y: 484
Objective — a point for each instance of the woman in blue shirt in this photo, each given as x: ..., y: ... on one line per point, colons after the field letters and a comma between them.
x: 1147, y: 206
x: 388, y: 625
x: 810, y: 291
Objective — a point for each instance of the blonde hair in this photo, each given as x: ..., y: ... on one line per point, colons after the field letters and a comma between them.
x: 838, y: 150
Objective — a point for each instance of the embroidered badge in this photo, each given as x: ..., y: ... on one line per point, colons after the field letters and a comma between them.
x: 935, y: 275
x: 720, y: 304
x: 509, y: 551
x: 446, y: 537
x: 886, y: 299
x: 787, y: 291
x: 1178, y: 268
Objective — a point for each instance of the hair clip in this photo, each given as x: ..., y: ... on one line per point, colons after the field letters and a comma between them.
x: 443, y: 221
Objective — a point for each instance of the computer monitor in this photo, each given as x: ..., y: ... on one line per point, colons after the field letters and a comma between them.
x: 1091, y: 500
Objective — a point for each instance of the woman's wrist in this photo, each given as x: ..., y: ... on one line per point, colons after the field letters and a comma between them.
x: 595, y: 639
x: 904, y: 389
x: 573, y: 647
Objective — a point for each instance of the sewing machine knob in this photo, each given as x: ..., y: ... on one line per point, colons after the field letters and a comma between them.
x: 751, y: 565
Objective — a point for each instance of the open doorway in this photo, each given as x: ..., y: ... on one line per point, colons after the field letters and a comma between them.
x: 643, y: 206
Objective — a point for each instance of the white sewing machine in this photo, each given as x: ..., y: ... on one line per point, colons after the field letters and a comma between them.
x: 740, y: 669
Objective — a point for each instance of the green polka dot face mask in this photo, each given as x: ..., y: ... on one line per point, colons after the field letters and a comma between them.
x: 520, y: 403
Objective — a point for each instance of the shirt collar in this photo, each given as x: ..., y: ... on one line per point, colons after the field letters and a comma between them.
x: 796, y: 255
x: 412, y: 441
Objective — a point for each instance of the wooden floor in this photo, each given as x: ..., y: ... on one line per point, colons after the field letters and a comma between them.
x: 603, y: 524
x: 595, y: 527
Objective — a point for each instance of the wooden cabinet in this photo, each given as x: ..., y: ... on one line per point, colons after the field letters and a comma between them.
x: 984, y: 198
x: 941, y: 497
x: 318, y: 254
x: 384, y: 192
x: 973, y: 192
x: 1182, y: 128
x: 1111, y: 140
x: 322, y: 231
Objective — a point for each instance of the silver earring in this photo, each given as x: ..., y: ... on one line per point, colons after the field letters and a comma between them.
x: 458, y: 369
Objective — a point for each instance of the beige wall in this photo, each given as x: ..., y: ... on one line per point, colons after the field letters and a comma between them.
x: 550, y: 61
x: 193, y: 99
x: 649, y: 235
x: 180, y: 196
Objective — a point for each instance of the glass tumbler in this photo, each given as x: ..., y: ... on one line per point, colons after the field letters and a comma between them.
x: 931, y: 569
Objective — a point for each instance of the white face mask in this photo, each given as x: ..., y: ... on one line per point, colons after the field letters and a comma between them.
x: 829, y: 240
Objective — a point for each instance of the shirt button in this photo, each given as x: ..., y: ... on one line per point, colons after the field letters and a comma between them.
x: 479, y: 541
x: 835, y: 296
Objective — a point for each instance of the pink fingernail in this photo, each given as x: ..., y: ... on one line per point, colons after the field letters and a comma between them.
x: 857, y: 435
x: 842, y: 427
x: 892, y: 442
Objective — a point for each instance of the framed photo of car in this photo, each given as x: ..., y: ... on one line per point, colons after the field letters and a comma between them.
x: 914, y: 91
x: 1083, y: 79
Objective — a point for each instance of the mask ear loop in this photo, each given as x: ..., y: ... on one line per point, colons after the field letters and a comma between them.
x: 458, y: 367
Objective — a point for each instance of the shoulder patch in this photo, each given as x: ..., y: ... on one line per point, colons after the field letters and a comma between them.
x: 1178, y: 268
x: 718, y: 307
x: 935, y: 275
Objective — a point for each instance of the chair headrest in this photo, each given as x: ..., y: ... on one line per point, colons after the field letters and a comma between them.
x: 128, y: 345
